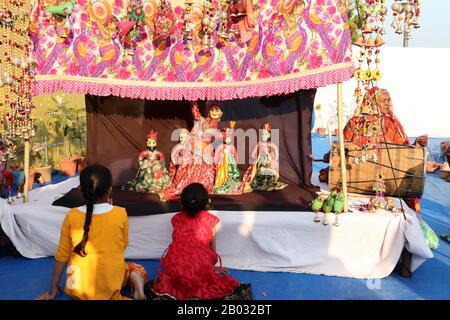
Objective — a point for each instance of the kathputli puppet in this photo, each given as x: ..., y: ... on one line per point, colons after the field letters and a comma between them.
x: 264, y: 174
x: 152, y: 176
x: 227, y: 172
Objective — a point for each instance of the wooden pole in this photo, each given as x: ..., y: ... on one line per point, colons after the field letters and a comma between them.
x: 26, y: 170
x: 341, y: 145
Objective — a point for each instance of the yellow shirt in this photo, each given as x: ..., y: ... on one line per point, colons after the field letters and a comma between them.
x: 100, y: 274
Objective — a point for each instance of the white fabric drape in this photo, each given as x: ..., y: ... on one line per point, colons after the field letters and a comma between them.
x: 365, y: 245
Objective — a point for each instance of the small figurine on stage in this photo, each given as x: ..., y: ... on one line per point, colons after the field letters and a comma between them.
x: 180, y: 153
x: 227, y: 172
x: 152, y: 176
x: 264, y: 174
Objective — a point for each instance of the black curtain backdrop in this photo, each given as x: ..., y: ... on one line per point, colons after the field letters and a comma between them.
x: 117, y: 129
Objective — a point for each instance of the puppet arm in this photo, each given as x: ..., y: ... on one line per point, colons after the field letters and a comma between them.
x: 195, y: 110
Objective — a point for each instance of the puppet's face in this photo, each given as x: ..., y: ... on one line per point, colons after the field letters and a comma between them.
x: 265, y: 135
x: 215, y: 113
x: 384, y: 103
x: 183, y: 136
x: 151, y: 144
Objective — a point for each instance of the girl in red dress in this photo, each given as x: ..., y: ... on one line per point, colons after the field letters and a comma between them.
x: 188, y: 264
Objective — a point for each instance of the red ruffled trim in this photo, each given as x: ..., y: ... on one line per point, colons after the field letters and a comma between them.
x: 240, y: 91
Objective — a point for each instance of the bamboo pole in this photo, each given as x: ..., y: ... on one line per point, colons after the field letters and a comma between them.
x: 341, y: 145
x: 26, y: 170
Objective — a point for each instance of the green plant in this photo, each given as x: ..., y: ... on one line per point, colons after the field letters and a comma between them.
x: 65, y: 122
x: 77, y: 133
x: 39, y: 147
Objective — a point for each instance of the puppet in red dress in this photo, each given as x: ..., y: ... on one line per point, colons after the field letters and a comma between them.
x: 200, y: 167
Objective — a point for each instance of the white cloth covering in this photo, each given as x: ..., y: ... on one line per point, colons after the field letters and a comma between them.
x: 365, y: 245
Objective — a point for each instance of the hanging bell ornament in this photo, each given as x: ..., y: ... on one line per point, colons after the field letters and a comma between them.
x: 379, y: 41
x: 367, y: 28
x: 359, y: 41
x: 394, y: 23
x: 356, y: 160
x: 371, y: 42
x: 397, y: 7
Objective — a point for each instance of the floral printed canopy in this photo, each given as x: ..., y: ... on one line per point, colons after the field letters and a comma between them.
x: 292, y: 45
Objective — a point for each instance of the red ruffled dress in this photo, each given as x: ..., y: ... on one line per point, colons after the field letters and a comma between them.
x: 188, y: 264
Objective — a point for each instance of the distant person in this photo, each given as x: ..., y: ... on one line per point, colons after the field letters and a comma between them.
x: 93, y: 241
x: 188, y: 265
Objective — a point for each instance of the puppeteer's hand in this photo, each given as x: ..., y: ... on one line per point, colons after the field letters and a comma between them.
x: 432, y: 166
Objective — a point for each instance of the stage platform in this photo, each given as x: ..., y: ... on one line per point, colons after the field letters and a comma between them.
x: 292, y: 198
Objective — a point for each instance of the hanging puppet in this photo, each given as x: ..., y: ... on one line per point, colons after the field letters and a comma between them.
x: 264, y: 174
x: 152, y: 176
x: 227, y: 172
x: 61, y: 18
x: 200, y: 167
x: 132, y: 28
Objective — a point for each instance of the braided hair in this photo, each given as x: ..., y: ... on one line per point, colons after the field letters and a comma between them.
x: 95, y: 182
x: 194, y: 198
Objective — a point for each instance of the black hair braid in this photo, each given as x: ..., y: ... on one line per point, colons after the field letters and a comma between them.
x: 89, y: 197
x: 95, y: 182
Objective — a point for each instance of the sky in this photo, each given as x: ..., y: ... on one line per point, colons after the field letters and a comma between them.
x: 434, y: 31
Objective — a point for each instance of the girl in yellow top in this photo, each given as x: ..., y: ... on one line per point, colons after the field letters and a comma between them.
x: 93, y: 241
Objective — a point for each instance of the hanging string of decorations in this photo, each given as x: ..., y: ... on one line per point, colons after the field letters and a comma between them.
x: 367, y: 119
x: 369, y: 39
x: 409, y: 11
x: 16, y: 75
